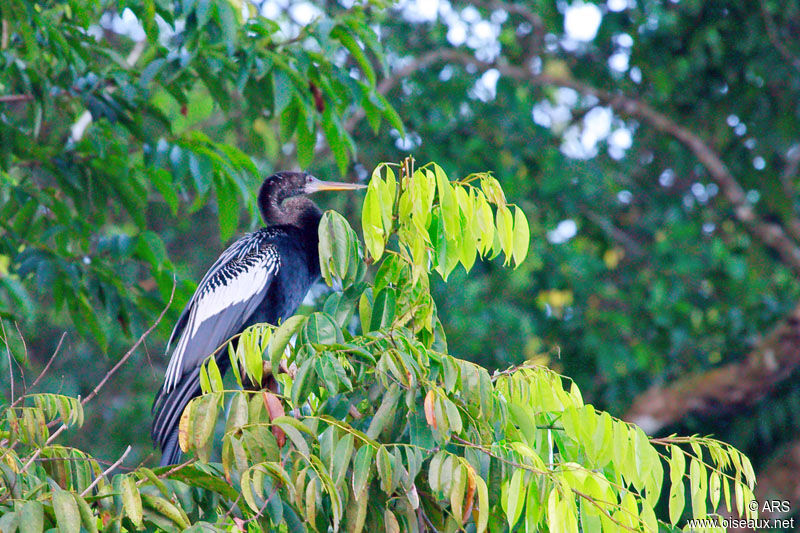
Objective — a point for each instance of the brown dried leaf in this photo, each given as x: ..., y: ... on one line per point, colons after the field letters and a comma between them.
x: 430, y: 413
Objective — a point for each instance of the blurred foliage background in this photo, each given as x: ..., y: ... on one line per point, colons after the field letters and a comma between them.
x: 654, y: 147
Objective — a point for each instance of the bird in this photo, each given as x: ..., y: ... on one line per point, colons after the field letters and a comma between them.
x: 261, y: 277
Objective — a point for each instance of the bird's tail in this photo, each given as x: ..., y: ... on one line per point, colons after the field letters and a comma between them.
x: 168, y: 408
x: 171, y: 450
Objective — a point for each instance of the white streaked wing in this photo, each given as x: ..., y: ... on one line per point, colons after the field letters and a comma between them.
x: 238, y: 289
x: 240, y: 249
x: 218, y: 310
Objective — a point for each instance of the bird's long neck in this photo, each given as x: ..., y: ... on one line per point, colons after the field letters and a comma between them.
x: 298, y: 212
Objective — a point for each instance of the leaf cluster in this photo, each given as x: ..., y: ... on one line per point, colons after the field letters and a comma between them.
x: 374, y: 422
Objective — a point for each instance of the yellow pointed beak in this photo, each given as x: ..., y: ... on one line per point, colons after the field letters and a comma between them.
x: 316, y: 185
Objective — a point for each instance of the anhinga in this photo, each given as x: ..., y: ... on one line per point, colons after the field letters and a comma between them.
x: 261, y: 277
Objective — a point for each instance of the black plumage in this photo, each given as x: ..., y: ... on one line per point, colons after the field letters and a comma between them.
x: 262, y: 277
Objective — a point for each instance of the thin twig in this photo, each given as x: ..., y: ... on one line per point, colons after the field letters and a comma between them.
x: 127, y: 355
x: 25, y: 357
x: 105, y: 472
x: 10, y: 364
x: 38, y: 451
x: 45, y: 369
x: 170, y: 471
x: 108, y: 375
x: 177, y: 467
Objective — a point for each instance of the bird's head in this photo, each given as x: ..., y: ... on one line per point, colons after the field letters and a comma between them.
x: 278, y: 197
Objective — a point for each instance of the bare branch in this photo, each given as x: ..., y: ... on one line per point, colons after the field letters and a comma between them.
x: 10, y: 364
x: 127, y: 355
x: 4, y: 35
x: 105, y: 472
x: 722, y: 389
x: 49, y: 362
x: 12, y: 98
x: 633, y: 248
x: 775, y: 39
x: 103, y: 381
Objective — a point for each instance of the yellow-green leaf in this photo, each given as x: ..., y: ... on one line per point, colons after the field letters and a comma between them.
x: 516, y: 497
x: 505, y: 231
x: 522, y: 236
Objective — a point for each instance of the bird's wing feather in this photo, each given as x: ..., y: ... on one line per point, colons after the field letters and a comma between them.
x: 239, y: 250
x: 226, y: 297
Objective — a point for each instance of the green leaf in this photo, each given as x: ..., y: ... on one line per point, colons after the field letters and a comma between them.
x: 289, y: 118
x: 204, y: 419
x: 385, y: 471
x: 341, y: 458
x: 237, y: 413
x: 390, y: 114
x: 457, y: 488
x: 483, y: 504
x: 521, y: 236
x: 283, y: 91
x: 167, y: 509
x: 384, y: 413
x: 66, y: 510
x: 131, y: 500
x: 340, y: 254
x: 505, y: 231
x: 383, y: 309
x: 347, y: 40
x: 448, y: 203
x: 453, y: 416
x: 151, y: 248
x: 321, y: 328
x: 362, y: 464
x: 516, y: 497
x: 291, y: 427
x: 32, y: 513
x: 714, y: 490
x: 372, y: 221
x: 303, y: 381
x: 306, y: 142
x: 485, y: 229
x: 87, y: 515
x: 228, y: 205
x: 698, y: 488
x: 214, y: 375
x: 336, y: 140
x: 280, y: 339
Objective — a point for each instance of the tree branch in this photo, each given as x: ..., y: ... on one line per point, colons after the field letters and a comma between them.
x: 88, y: 489
x: 632, y: 248
x: 775, y: 39
x: 12, y: 98
x: 725, y: 388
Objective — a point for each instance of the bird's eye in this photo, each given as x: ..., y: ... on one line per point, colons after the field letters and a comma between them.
x: 309, y: 179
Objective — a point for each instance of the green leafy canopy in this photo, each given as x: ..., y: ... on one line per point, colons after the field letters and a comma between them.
x: 374, y: 421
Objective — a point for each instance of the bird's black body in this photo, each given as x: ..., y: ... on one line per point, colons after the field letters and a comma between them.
x: 262, y: 277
